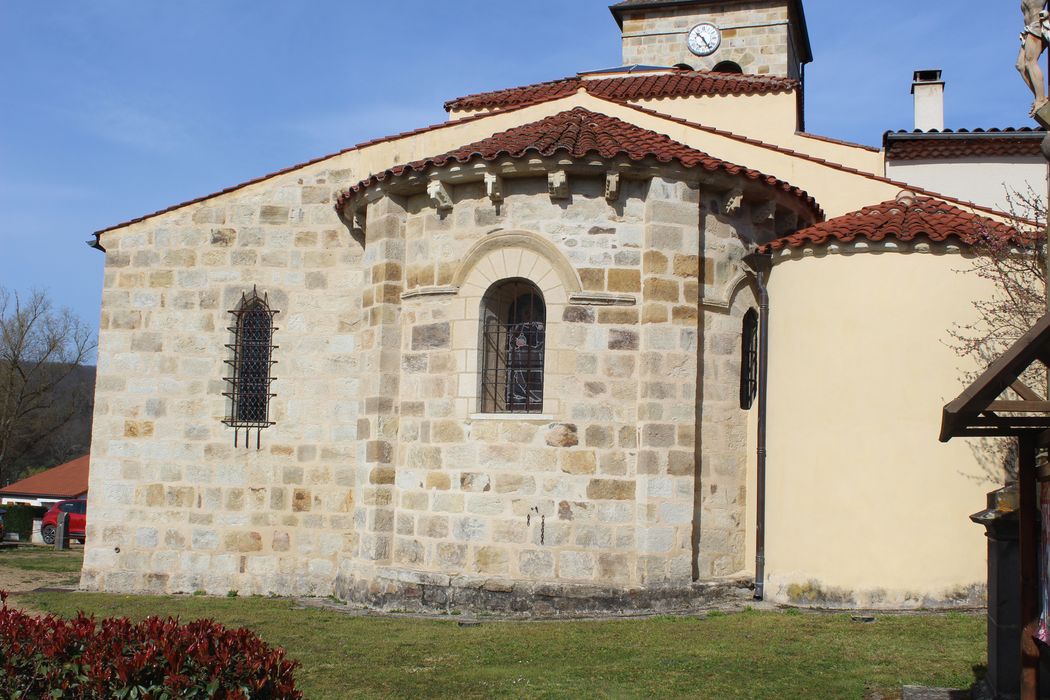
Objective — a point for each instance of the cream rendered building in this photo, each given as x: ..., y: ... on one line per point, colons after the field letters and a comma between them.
x: 509, y: 360
x: 1000, y: 168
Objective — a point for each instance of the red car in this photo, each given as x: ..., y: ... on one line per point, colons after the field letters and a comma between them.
x: 77, y: 510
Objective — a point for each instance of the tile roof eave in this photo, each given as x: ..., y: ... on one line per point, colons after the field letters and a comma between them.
x: 910, y: 143
x: 964, y: 135
x: 501, y: 145
x: 837, y: 142
x: 930, y: 152
x: 904, y: 220
x: 937, y: 146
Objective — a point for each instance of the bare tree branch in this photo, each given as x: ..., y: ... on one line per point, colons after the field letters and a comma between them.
x: 41, y: 351
x: 1016, y: 271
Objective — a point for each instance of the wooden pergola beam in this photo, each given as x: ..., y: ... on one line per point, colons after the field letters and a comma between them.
x: 1023, y: 423
x: 1019, y: 406
x: 1003, y: 374
x: 1025, y: 392
x: 993, y: 432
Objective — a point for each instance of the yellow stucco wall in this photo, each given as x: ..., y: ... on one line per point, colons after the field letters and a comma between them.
x: 864, y: 502
x: 769, y: 118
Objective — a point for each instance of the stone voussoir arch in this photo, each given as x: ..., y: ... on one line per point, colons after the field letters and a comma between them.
x: 517, y: 253
x: 498, y: 257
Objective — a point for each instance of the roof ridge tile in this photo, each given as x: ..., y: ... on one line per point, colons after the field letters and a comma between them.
x: 673, y: 83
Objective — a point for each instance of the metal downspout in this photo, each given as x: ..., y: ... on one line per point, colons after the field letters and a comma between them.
x: 761, y: 264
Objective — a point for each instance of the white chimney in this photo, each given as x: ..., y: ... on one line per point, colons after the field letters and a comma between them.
x: 928, y: 89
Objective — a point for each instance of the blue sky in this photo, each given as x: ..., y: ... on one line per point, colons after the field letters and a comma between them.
x: 110, y: 109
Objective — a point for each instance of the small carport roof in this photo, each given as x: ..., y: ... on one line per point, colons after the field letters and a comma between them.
x: 68, y: 480
x: 978, y: 412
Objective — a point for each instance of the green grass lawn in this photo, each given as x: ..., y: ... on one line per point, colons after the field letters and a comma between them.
x: 43, y: 559
x: 747, y: 655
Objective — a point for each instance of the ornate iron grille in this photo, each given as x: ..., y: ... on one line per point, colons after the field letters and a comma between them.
x: 251, y: 364
x: 512, y: 347
x: 749, y: 360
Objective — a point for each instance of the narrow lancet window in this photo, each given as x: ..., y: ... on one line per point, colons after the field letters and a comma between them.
x: 749, y: 360
x: 513, y: 342
x: 251, y: 367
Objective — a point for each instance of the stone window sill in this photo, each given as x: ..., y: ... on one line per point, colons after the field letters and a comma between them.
x: 521, y: 417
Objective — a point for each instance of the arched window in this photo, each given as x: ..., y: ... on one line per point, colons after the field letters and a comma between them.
x: 749, y: 360
x: 251, y: 365
x: 513, y: 340
x: 727, y: 67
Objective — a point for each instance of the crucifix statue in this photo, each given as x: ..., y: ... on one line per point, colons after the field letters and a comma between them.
x: 1034, y: 40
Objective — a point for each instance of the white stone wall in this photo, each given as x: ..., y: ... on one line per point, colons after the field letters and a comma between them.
x: 1001, y: 183
x: 175, y: 506
x: 379, y: 466
x: 558, y: 497
x: 755, y: 35
x: 727, y: 437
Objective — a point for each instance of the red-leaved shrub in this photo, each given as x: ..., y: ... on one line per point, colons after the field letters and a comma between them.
x: 156, y: 659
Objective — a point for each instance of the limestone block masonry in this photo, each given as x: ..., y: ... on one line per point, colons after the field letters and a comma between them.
x: 175, y: 505
x: 380, y: 481
x: 763, y: 37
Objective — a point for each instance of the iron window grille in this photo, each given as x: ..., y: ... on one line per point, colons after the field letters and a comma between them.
x: 513, y: 343
x: 251, y: 367
x: 749, y: 360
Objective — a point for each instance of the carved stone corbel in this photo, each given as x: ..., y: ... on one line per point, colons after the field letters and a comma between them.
x: 734, y: 201
x: 357, y: 221
x: 494, y: 187
x: 440, y: 194
x: 612, y: 186
x: 374, y: 194
x: 558, y: 184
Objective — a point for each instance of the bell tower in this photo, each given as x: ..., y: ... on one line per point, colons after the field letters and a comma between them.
x: 762, y: 37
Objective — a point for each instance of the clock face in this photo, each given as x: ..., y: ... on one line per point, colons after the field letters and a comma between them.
x: 705, y: 39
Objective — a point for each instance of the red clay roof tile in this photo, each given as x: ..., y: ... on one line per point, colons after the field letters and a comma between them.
x: 904, y: 219
x: 968, y: 147
x: 947, y: 144
x: 672, y: 83
x: 580, y: 132
x: 67, y: 480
